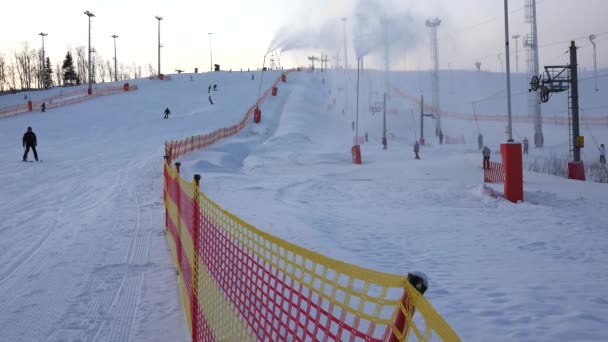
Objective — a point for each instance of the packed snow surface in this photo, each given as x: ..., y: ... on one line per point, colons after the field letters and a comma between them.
x: 83, y: 254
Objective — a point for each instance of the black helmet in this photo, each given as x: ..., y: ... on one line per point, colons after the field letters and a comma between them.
x: 29, y: 128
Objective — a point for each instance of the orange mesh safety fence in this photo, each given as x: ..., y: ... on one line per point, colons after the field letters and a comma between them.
x: 64, y: 99
x: 555, y: 120
x: 495, y: 174
x: 177, y: 148
x: 239, y: 283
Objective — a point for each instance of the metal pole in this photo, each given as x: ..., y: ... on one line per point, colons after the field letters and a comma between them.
x: 538, y: 122
x: 42, y: 69
x: 345, y: 67
x: 210, y: 50
x: 421, y: 117
x: 115, y: 63
x: 574, y: 93
x: 516, y: 36
x: 159, y: 46
x: 357, y: 118
x: 510, y: 128
x: 384, y: 118
x: 591, y: 39
x: 89, y: 14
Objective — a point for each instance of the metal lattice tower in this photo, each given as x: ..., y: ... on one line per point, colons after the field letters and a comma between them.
x: 531, y: 42
x: 433, y: 24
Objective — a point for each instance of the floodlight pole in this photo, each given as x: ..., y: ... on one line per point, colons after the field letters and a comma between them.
x: 115, y: 62
x: 345, y: 66
x: 210, y: 50
x: 42, y: 69
x: 89, y: 14
x: 159, y: 46
x: 510, y: 127
x: 592, y: 40
x: 516, y: 36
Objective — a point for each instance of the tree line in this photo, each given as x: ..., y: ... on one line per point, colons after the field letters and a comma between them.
x: 24, y: 69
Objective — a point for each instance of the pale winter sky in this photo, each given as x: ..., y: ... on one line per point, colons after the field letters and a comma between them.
x: 244, y: 30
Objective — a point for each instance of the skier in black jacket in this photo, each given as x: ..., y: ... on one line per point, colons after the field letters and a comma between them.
x: 29, y: 141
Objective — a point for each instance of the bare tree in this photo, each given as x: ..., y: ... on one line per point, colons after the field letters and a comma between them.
x: 59, y: 74
x: 81, y: 64
x: 13, y: 76
x: 2, y: 72
x: 101, y: 70
x: 151, y: 71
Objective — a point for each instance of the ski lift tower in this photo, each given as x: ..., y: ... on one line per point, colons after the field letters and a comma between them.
x: 531, y: 43
x: 433, y: 24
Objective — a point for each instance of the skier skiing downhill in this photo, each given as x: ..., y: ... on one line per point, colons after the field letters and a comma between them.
x: 167, y: 112
x: 29, y: 141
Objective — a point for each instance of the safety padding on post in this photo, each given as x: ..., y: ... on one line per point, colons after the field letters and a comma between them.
x: 90, y: 91
x: 161, y: 77
x: 284, y: 78
x: 421, y: 284
x: 514, y: 174
x: 356, y: 154
x: 257, y: 115
x: 275, y: 89
x: 576, y: 170
x: 421, y: 141
x: 125, y: 86
x: 29, y: 106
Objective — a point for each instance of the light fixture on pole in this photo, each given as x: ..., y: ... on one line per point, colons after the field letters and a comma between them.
x: 42, y: 68
x: 89, y: 14
x: 516, y: 36
x: 159, y: 46
x: 115, y: 63
x: 210, y: 50
x: 510, y: 125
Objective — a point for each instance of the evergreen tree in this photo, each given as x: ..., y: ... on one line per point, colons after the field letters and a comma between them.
x: 69, y: 73
x: 48, y: 74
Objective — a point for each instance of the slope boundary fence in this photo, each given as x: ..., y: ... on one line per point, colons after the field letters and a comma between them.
x: 239, y: 283
x: 494, y: 174
x: 64, y: 99
x: 549, y: 120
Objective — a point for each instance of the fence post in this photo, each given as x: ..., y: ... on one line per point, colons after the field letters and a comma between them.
x: 421, y: 284
x: 196, y: 212
x: 179, y: 220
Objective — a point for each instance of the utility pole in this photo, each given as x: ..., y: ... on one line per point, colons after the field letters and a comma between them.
x: 89, y: 14
x: 559, y: 78
x: 516, y: 37
x: 433, y: 24
x: 507, y: 55
x: 159, y: 45
x: 42, y: 69
x: 574, y: 99
x: 115, y: 63
x: 210, y: 50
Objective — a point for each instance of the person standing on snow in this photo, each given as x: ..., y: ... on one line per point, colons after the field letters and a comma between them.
x: 417, y: 149
x: 440, y: 137
x: 525, y: 145
x: 384, y: 143
x: 486, y: 157
x: 29, y: 141
x: 602, y: 154
x: 167, y: 112
x: 43, y: 106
